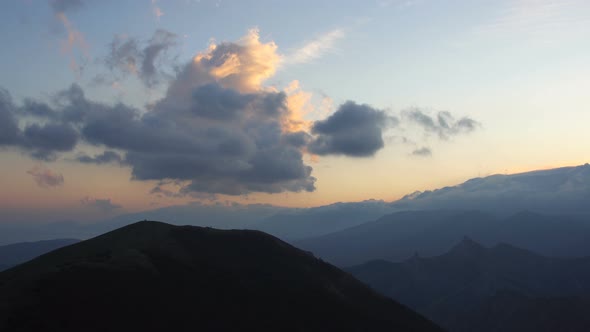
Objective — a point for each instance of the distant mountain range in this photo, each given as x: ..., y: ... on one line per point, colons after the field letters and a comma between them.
x: 503, y: 288
x: 151, y: 276
x: 14, y: 254
x: 558, y: 192
x: 400, y: 235
x: 563, y: 190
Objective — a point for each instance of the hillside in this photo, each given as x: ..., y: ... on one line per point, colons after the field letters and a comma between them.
x: 503, y: 288
x: 13, y: 254
x: 152, y: 276
x: 398, y: 236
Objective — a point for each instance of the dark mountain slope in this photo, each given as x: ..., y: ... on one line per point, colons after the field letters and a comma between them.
x: 152, y: 276
x: 13, y: 254
x: 472, y: 284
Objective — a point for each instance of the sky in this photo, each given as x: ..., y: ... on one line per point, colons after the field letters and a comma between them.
x: 109, y: 107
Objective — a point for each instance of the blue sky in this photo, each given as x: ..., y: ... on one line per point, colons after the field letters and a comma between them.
x: 519, y: 69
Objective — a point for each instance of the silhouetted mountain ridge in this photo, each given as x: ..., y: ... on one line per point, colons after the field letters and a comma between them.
x: 152, y: 276
x: 472, y: 284
x: 397, y: 236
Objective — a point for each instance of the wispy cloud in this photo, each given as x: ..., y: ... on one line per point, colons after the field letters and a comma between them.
x: 75, y: 39
x: 315, y: 48
x: 157, y: 10
x: 46, y: 178
x: 103, y: 205
x: 422, y: 152
x: 540, y: 18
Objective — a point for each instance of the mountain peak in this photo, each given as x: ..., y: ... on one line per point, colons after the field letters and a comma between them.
x: 467, y: 246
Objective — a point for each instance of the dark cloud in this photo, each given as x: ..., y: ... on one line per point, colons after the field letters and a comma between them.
x: 161, y: 41
x: 443, y: 124
x: 127, y: 56
x: 37, y: 109
x: 9, y: 131
x: 213, y: 101
x: 422, y: 152
x: 106, y: 157
x: 45, y: 177
x: 40, y: 141
x: 353, y: 130
x: 215, y: 140
x: 44, y: 141
x: 103, y: 205
x: 62, y: 6
x: 297, y: 139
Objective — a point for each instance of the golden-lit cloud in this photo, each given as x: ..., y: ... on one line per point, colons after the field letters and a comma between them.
x: 242, y: 66
x: 299, y: 105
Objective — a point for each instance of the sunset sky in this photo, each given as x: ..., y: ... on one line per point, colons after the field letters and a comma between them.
x: 108, y: 107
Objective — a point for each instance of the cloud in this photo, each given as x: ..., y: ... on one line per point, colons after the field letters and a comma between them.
x: 161, y: 41
x: 46, y: 178
x: 241, y: 66
x: 44, y: 141
x: 106, y: 157
x: 353, y: 130
x: 217, y: 130
x: 157, y: 10
x: 9, y: 130
x: 543, y: 20
x: 126, y: 56
x: 443, y: 124
x: 422, y: 152
x: 75, y: 40
x: 315, y: 48
x: 103, y: 205
x: 40, y: 141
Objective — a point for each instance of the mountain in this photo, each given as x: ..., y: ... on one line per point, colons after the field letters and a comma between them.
x: 14, y: 254
x: 151, y: 276
x: 563, y: 190
x: 560, y: 191
x: 399, y: 235
x: 286, y: 223
x: 218, y: 215
x: 317, y: 221
x: 474, y: 288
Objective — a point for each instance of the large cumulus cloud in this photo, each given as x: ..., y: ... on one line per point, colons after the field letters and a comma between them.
x: 353, y: 130
x: 217, y: 130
